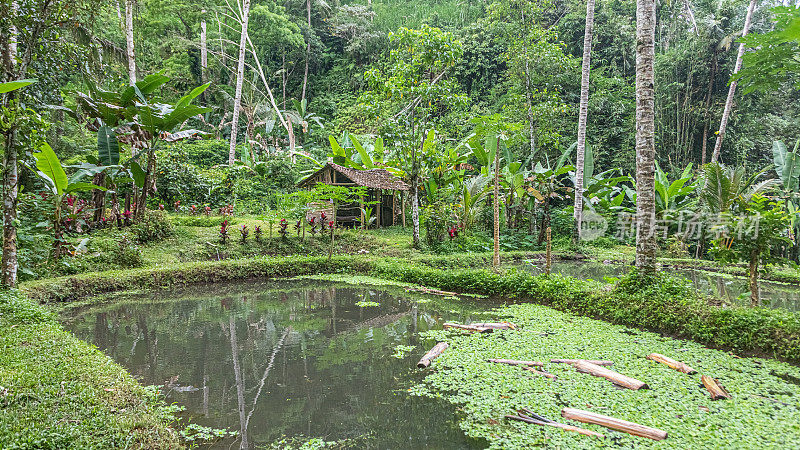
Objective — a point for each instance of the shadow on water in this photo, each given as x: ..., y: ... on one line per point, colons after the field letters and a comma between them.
x: 728, y: 289
x: 289, y: 359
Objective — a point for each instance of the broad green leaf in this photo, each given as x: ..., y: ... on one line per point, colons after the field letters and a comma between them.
x: 588, y: 164
x: 184, y: 102
x: 47, y: 162
x: 14, y: 85
x: 138, y: 174
x: 107, y: 146
x: 82, y: 187
x: 366, y: 161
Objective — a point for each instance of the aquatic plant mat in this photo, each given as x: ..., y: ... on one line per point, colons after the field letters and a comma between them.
x: 762, y: 411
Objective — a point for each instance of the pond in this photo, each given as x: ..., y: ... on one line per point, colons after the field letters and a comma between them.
x: 729, y: 289
x: 293, y: 359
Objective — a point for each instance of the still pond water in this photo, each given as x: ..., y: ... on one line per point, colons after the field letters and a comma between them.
x: 731, y: 290
x: 292, y: 359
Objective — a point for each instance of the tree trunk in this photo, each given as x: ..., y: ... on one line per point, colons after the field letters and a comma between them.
x: 99, y: 198
x: 645, y: 139
x: 149, y: 184
x: 10, y: 191
x: 496, y: 208
x: 10, y: 174
x: 308, y: 48
x: 131, y: 55
x: 755, y: 299
x: 723, y: 125
x: 709, y: 93
x: 237, y: 101
x: 584, y: 110
x: 203, y: 49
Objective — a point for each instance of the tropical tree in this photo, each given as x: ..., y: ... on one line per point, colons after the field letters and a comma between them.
x: 645, y: 137
x: 787, y: 166
x: 723, y: 124
x: 776, y: 55
x: 583, y: 112
x: 411, y: 92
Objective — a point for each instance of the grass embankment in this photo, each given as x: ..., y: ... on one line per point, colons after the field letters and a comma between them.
x: 666, y: 305
x: 762, y: 412
x: 57, y: 391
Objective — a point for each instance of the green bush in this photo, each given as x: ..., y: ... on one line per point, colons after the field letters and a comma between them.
x: 154, y: 226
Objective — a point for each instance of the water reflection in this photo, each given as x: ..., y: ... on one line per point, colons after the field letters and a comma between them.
x: 285, y: 359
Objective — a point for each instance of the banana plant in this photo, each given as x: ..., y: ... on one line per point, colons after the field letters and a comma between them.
x: 14, y: 85
x: 51, y: 172
x: 675, y: 195
x: 787, y: 166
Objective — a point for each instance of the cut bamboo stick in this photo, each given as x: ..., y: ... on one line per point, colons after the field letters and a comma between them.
x: 714, y: 388
x: 616, y: 377
x: 432, y: 354
x: 614, y: 423
x: 669, y: 362
x: 563, y: 426
x: 470, y: 328
x: 542, y: 373
x: 515, y: 362
x: 573, y: 361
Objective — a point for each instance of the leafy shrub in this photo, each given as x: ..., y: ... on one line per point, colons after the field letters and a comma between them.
x: 126, y: 254
x: 201, y: 153
x: 154, y: 226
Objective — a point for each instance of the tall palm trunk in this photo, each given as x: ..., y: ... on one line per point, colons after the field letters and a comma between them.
x: 726, y: 113
x: 203, y: 48
x: 10, y: 172
x: 308, y: 48
x: 645, y: 137
x: 496, y: 208
x: 584, y: 111
x: 130, y: 52
x: 237, y: 101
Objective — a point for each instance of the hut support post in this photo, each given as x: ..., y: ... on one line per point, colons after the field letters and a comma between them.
x: 379, y: 219
x: 394, y: 206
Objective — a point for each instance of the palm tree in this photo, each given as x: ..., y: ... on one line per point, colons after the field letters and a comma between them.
x: 645, y: 137
x: 129, y: 4
x: 723, y: 187
x: 732, y: 88
x: 584, y: 109
x: 244, y: 17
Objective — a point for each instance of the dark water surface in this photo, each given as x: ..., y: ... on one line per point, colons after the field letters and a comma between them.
x: 287, y: 359
x: 731, y: 290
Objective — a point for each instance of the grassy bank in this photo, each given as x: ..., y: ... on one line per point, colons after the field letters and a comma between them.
x: 666, y: 305
x: 57, y: 391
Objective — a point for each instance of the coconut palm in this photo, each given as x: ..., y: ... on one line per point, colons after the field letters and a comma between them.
x: 725, y: 187
x: 584, y: 109
x: 645, y: 137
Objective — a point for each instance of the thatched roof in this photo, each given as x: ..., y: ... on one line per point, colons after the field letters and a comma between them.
x: 371, y: 178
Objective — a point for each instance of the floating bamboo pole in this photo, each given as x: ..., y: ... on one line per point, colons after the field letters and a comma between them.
x: 573, y: 361
x: 614, y: 423
x: 471, y: 328
x: 550, y: 423
x: 714, y: 388
x: 669, y: 362
x: 516, y: 362
x: 426, y: 290
x: 615, y: 377
x: 432, y: 354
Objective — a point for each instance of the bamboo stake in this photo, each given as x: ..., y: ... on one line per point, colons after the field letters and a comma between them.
x: 573, y: 361
x: 515, y: 362
x: 526, y: 419
x: 614, y: 423
x: 432, y: 354
x: 671, y: 363
x: 714, y: 388
x: 431, y: 291
x: 615, y: 377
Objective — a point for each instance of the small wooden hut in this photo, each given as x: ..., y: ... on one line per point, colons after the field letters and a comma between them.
x: 382, y: 187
